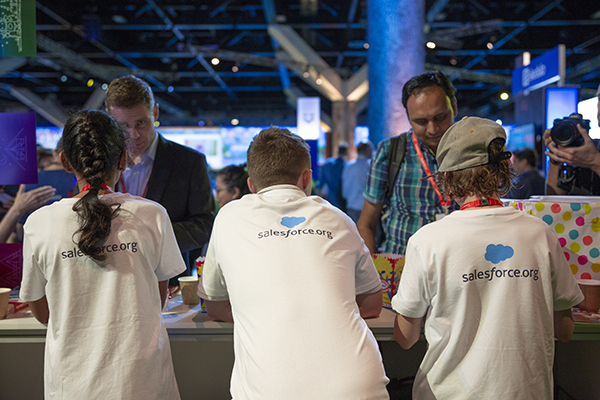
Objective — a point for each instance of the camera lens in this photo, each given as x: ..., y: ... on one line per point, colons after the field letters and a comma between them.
x: 565, y: 134
x: 562, y: 133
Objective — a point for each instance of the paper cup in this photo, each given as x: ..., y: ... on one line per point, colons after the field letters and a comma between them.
x: 4, y: 295
x: 591, y: 291
x: 189, y: 287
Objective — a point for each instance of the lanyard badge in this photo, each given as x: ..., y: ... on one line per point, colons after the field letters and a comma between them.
x: 445, y: 203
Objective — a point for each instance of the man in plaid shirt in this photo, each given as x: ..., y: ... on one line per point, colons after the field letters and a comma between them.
x: 430, y: 103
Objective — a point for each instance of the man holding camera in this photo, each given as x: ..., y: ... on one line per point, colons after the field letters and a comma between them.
x: 584, y: 179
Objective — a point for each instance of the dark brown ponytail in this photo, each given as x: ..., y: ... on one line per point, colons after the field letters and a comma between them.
x: 93, y: 144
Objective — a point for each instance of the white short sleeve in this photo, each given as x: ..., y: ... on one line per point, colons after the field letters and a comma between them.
x: 33, y: 285
x: 212, y: 286
x: 170, y: 263
x: 367, y: 278
x: 412, y: 299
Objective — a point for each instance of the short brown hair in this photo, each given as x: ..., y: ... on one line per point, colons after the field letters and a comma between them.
x: 483, y: 181
x: 277, y: 156
x: 127, y: 92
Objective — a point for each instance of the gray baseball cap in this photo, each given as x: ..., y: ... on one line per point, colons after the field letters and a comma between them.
x: 465, y: 144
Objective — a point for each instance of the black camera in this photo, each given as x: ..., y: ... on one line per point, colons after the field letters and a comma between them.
x: 564, y: 131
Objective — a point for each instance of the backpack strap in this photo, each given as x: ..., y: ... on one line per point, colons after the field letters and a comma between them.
x: 395, y: 159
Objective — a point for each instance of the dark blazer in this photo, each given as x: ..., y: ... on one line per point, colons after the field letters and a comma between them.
x: 179, y: 182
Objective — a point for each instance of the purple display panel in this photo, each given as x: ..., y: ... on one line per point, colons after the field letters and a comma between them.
x: 18, y: 157
x: 11, y: 265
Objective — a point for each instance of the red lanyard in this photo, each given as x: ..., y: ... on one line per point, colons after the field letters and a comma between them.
x: 428, y: 172
x: 102, y: 186
x: 482, y: 203
x: 124, y: 190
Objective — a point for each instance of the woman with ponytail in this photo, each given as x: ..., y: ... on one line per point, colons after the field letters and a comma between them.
x: 95, y: 269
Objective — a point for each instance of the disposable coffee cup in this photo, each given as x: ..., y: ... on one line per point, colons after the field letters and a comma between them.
x: 4, y: 295
x: 591, y: 291
x: 189, y: 288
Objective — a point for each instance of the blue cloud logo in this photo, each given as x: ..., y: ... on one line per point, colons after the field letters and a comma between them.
x: 290, y: 222
x: 498, y: 253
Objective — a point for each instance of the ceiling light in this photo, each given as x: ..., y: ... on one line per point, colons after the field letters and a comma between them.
x: 499, y: 121
x: 366, y: 45
x: 156, y: 124
x: 430, y: 45
x: 526, y: 58
x: 63, y: 78
x: 453, y: 61
x: 504, y: 96
x: 201, y: 123
x: 235, y: 68
x: 490, y: 45
x: 119, y: 19
x: 319, y: 81
x: 215, y: 61
x: 104, y: 86
x: 305, y: 74
x: 90, y: 82
x: 235, y: 122
x: 170, y: 89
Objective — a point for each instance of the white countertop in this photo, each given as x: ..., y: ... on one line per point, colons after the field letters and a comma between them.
x: 183, y: 323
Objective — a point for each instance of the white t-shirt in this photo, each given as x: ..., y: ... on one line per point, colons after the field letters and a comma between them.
x: 487, y: 282
x: 291, y: 266
x: 106, y: 338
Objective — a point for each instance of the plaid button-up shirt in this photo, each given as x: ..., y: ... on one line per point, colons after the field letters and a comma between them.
x: 414, y: 202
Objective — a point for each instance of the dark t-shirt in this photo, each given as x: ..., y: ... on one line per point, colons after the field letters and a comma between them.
x: 586, y: 181
x: 331, y: 175
x: 527, y: 184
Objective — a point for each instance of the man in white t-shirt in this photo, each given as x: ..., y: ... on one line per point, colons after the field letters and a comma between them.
x: 293, y: 273
x: 490, y: 283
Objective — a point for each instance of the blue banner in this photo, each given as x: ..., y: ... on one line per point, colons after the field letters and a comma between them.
x: 18, y: 153
x: 542, y: 71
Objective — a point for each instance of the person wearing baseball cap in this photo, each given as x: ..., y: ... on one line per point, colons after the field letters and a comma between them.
x: 490, y: 283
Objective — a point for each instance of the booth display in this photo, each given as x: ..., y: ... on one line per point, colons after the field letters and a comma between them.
x: 576, y: 222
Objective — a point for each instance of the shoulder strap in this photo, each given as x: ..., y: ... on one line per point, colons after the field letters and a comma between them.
x: 395, y: 158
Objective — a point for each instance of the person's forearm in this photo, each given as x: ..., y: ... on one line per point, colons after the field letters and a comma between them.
x: 367, y: 224
x: 563, y: 325
x: 219, y: 310
x: 40, y: 310
x: 163, y: 287
x: 9, y: 223
x: 370, y: 305
x: 368, y: 235
x: 552, y: 180
x: 596, y: 164
x: 407, y: 331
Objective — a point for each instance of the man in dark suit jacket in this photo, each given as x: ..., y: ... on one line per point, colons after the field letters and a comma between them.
x: 171, y: 174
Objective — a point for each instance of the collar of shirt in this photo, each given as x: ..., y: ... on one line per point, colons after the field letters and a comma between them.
x: 292, y: 190
x: 150, y: 154
x: 136, y: 176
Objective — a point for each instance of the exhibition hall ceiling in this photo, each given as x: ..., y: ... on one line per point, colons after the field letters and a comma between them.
x: 172, y: 43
